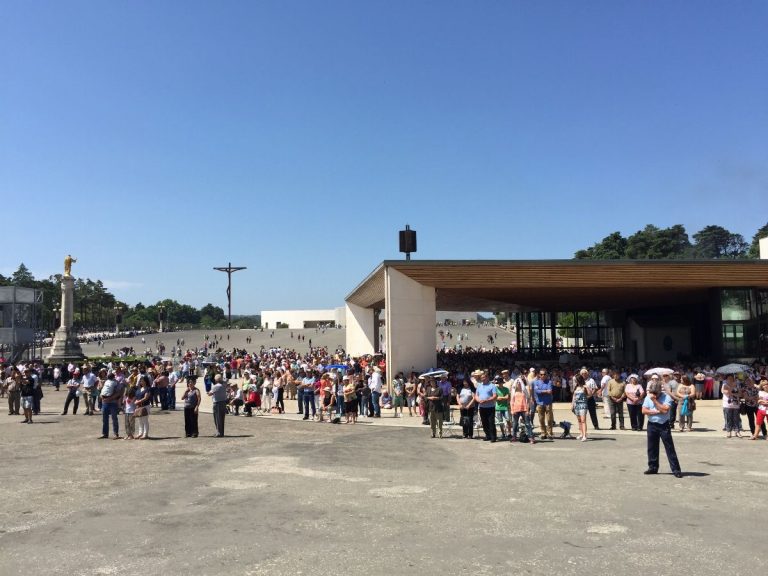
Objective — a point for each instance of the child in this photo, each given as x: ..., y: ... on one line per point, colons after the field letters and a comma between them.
x: 129, y: 402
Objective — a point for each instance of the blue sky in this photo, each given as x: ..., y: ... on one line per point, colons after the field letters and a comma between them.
x: 156, y: 140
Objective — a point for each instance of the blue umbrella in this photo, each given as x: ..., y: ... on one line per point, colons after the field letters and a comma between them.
x: 339, y: 366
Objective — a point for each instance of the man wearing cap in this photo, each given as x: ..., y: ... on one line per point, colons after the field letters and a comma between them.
x: 656, y: 407
x: 485, y: 398
x: 219, y: 395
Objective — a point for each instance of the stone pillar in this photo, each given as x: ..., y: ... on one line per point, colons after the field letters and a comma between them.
x: 361, y: 338
x: 410, y: 324
x: 65, y: 345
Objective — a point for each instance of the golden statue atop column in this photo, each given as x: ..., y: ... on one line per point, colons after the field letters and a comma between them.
x: 66, y: 346
x: 68, y: 265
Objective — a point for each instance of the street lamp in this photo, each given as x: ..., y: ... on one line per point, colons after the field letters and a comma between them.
x: 161, y: 316
x: 56, y: 313
x: 118, y: 318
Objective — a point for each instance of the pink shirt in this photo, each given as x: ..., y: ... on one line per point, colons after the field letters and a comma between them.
x: 634, y: 393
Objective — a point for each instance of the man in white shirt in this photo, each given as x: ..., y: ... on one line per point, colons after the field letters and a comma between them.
x: 375, y: 386
x: 173, y: 378
x: 88, y: 382
x: 604, y: 392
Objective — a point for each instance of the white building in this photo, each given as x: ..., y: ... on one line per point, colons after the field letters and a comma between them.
x: 298, y: 319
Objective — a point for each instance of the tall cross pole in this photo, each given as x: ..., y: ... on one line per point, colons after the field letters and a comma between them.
x: 229, y: 269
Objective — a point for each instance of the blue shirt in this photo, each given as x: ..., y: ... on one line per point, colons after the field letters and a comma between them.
x: 540, y: 386
x: 658, y: 418
x: 485, y: 391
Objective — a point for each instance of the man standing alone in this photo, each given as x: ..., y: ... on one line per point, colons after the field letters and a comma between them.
x: 657, y: 407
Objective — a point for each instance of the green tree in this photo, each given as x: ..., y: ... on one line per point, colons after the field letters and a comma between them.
x: 612, y: 247
x: 754, y: 248
x: 652, y: 243
x: 23, y: 277
x: 215, y: 313
x: 717, y: 242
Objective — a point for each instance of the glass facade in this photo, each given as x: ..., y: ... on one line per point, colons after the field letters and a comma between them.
x: 744, y: 313
x: 541, y: 334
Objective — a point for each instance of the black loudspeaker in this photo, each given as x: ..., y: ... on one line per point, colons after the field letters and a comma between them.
x: 407, y: 240
x: 119, y: 318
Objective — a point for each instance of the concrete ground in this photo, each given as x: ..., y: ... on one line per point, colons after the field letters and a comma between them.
x: 331, y: 338
x: 283, y: 496
x: 291, y: 497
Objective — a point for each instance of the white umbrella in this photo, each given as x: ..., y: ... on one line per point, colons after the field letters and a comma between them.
x: 733, y: 369
x: 659, y: 371
x: 433, y: 373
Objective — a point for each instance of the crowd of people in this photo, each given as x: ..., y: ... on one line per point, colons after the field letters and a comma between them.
x: 478, y: 390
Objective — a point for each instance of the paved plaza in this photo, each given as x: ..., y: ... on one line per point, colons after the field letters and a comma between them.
x: 283, y: 497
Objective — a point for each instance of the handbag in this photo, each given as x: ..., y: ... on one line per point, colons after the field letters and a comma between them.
x: 742, y: 408
x: 141, y: 411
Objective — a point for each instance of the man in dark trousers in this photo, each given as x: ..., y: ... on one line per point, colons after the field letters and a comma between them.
x: 218, y: 394
x: 657, y: 406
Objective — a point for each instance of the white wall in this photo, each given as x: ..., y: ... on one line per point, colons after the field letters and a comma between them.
x: 764, y: 248
x: 360, y: 330
x: 410, y: 324
x: 296, y: 318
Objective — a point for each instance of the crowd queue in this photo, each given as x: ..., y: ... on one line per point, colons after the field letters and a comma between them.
x: 506, y: 400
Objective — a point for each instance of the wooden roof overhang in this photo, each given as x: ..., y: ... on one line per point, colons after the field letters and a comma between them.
x: 563, y: 285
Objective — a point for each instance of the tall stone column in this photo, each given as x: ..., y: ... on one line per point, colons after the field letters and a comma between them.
x: 66, y: 348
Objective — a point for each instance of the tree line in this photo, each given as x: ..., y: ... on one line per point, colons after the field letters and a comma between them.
x: 673, y: 243
x: 96, y: 309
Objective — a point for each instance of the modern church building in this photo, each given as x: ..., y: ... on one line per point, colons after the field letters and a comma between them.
x: 630, y: 311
